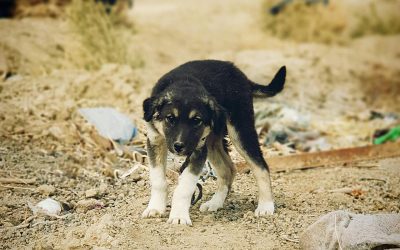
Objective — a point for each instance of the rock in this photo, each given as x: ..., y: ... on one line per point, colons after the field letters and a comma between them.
x: 56, y: 132
x: 47, y: 207
x: 91, y: 193
x: 102, y: 190
x: 46, y: 189
x: 136, y: 177
x: 85, y: 205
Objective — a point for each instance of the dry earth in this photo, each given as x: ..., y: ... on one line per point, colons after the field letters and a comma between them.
x: 43, y: 137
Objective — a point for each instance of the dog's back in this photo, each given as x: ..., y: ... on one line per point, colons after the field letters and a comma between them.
x: 223, y: 80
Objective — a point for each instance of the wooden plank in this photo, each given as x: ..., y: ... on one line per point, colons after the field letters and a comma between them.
x: 328, y: 158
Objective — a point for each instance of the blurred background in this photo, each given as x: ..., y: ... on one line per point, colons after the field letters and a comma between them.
x: 57, y: 56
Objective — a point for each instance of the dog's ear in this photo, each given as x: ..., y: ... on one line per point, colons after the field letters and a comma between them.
x: 151, y: 106
x: 217, y: 116
x: 148, y: 109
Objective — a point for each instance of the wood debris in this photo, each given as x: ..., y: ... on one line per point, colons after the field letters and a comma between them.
x: 328, y: 158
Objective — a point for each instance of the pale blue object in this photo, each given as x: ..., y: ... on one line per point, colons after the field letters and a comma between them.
x: 110, y: 123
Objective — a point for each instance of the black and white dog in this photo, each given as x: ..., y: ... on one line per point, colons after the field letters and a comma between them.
x: 191, y: 110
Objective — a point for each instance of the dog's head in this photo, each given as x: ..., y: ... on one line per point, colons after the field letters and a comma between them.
x: 184, y: 120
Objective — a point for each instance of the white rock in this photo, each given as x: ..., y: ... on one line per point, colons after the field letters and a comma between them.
x: 47, y: 207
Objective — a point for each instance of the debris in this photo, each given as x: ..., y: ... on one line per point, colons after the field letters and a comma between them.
x: 392, y: 135
x: 85, y: 205
x: 388, y: 117
x: 285, y: 237
x: 327, y: 158
x: 135, y: 171
x: 285, y: 150
x: 316, y: 145
x: 48, y: 207
x: 344, y: 230
x: 355, y: 192
x: 276, y: 117
x: 17, y: 181
x: 110, y: 123
x: 46, y: 189
x: 286, y: 125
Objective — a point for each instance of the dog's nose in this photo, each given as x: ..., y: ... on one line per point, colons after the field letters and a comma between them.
x: 178, y: 146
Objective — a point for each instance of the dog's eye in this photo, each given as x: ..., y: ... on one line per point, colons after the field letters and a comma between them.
x: 197, y: 121
x: 170, y: 118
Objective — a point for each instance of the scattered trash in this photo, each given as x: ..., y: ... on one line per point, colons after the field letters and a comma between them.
x: 388, y: 135
x: 389, y: 117
x: 316, y: 145
x: 274, y: 114
x: 110, y: 123
x: 290, y: 128
x: 48, y: 207
x: 344, y: 230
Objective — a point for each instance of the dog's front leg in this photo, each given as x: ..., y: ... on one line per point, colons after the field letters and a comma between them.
x: 186, y: 187
x: 157, y: 151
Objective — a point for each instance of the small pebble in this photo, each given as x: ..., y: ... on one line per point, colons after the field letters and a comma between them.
x: 91, y: 193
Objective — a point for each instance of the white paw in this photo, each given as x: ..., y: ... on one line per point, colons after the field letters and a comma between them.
x: 265, y: 208
x: 153, y: 212
x: 183, y: 220
x: 210, y: 206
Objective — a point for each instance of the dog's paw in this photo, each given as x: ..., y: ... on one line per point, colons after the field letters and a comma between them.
x: 183, y: 220
x: 211, y: 206
x: 266, y: 208
x: 152, y: 212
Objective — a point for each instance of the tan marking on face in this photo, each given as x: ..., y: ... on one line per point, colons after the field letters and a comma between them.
x: 175, y: 112
x: 158, y: 125
x: 152, y: 132
x: 193, y: 114
x: 203, y: 137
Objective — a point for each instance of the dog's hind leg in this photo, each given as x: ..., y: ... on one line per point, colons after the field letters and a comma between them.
x: 225, y: 170
x: 244, y: 137
x: 157, y: 151
x: 186, y: 187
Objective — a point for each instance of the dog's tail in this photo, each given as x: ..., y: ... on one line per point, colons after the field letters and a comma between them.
x: 273, y: 88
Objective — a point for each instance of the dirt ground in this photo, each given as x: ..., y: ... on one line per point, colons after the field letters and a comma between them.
x: 44, y: 139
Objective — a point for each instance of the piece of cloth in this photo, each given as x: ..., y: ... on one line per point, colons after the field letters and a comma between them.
x: 344, y: 230
x: 110, y: 123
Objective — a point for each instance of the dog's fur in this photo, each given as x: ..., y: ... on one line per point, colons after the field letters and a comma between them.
x: 190, y: 111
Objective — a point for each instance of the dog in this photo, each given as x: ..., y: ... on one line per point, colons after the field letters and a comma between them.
x: 190, y: 112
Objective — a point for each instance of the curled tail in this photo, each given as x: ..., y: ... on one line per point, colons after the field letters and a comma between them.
x: 273, y: 88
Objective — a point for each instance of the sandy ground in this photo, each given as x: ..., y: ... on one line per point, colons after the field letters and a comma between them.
x: 43, y: 137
